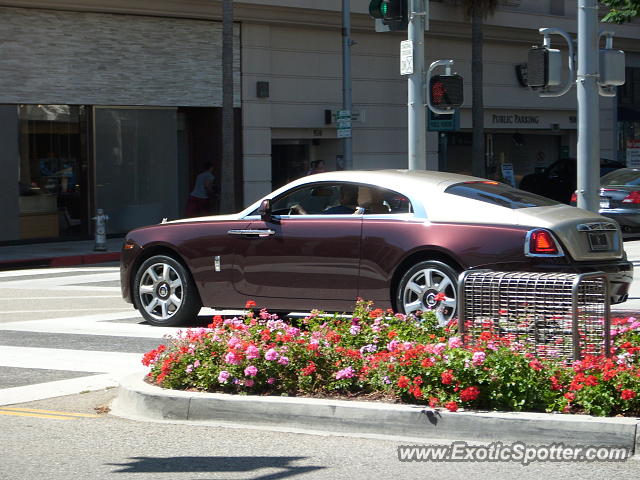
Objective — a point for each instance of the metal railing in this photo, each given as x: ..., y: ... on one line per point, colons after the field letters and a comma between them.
x: 552, y: 315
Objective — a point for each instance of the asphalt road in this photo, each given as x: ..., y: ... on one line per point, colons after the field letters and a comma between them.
x: 65, y: 339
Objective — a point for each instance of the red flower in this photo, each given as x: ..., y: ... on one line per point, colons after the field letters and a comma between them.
x: 426, y: 363
x: 628, y: 394
x: 376, y: 313
x: 447, y: 377
x: 250, y: 304
x: 536, y: 365
x: 392, y: 333
x: 440, y: 297
x: 416, y: 392
x: 417, y: 380
x: 403, y: 382
x: 469, y: 394
x: 570, y: 396
x: 433, y: 402
x: 309, y: 369
x: 591, y: 381
x: 451, y: 406
x: 502, y: 311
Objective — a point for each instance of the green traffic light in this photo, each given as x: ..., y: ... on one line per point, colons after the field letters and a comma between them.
x: 384, y: 9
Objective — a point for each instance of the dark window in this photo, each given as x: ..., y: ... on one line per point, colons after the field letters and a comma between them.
x: 499, y: 194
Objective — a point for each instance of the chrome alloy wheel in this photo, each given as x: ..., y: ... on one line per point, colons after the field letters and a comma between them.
x: 430, y: 288
x: 160, y: 291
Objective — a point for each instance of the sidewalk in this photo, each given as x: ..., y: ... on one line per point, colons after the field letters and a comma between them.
x: 59, y: 254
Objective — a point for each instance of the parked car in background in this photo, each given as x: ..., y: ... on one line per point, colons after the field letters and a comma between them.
x: 620, y: 198
x: 558, y: 181
x: 402, y: 240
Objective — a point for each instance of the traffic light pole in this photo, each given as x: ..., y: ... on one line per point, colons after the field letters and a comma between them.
x: 588, y: 103
x: 417, y: 141
x: 347, y: 103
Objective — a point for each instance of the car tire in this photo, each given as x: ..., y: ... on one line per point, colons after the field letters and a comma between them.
x: 419, y: 286
x: 164, y: 292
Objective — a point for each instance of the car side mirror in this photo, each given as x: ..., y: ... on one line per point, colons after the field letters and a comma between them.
x: 265, y: 210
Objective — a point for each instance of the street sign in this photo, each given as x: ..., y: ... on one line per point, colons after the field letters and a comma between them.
x: 443, y: 123
x: 343, y: 123
x: 406, y: 57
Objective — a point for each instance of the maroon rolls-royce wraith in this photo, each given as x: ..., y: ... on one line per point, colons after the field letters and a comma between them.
x: 399, y: 238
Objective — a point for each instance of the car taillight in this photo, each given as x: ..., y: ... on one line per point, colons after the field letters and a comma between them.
x: 574, y: 197
x: 633, y: 197
x: 541, y: 242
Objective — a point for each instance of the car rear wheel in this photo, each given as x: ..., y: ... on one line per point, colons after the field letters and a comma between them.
x: 429, y: 285
x: 164, y: 292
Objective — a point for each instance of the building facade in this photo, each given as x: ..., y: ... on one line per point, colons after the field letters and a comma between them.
x: 117, y: 105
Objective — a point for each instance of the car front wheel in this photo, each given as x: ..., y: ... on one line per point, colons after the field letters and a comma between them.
x: 429, y: 285
x: 165, y: 293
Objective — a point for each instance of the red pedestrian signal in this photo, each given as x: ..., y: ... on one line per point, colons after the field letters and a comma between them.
x: 446, y: 91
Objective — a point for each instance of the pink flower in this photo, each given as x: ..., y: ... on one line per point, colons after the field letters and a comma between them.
x: 271, y: 354
x: 223, y: 376
x: 196, y: 364
x: 478, y: 358
x: 252, y: 352
x: 283, y: 361
x: 455, y: 342
x: 249, y: 383
x: 232, y: 358
x: 355, y: 329
x: 345, y: 373
x: 250, y: 371
x: 438, y: 348
x: 271, y: 380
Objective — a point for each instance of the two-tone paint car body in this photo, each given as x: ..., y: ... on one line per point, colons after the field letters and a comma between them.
x: 434, y: 226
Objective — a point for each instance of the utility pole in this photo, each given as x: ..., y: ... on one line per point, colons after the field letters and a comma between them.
x: 347, y: 103
x: 417, y: 144
x: 588, y: 106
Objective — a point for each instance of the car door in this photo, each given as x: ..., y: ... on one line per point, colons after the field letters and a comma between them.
x: 304, y: 253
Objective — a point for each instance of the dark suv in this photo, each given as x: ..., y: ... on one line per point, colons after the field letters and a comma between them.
x: 558, y: 181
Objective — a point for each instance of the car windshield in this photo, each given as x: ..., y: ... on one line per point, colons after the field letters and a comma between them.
x: 499, y: 194
x: 625, y: 176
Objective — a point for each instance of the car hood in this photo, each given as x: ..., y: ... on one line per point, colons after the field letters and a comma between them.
x: 565, y: 220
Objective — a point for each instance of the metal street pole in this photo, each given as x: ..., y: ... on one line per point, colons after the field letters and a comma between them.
x: 417, y: 141
x: 347, y: 103
x: 588, y: 106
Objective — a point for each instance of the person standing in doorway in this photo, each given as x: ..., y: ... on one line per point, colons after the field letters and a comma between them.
x: 316, y: 166
x: 199, y: 201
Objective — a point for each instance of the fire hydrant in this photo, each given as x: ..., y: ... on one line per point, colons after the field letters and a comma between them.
x: 101, y: 230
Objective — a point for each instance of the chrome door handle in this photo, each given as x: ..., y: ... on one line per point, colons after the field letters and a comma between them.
x: 252, y: 233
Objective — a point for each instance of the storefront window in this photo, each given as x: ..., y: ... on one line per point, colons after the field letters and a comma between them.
x: 52, y: 163
x: 136, y: 156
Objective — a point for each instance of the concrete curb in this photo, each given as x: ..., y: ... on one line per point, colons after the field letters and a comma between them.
x: 138, y: 399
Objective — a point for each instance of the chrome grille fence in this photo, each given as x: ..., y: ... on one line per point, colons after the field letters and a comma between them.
x: 552, y: 315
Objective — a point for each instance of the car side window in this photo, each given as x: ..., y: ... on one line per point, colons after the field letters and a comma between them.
x: 375, y: 201
x: 307, y: 200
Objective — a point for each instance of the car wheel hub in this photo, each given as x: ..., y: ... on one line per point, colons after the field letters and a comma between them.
x: 161, y: 291
x: 430, y: 299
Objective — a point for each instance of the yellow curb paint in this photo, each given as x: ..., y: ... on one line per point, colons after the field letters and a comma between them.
x: 37, y: 415
x: 44, y: 413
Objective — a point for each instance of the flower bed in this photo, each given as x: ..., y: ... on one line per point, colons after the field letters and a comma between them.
x: 403, y: 358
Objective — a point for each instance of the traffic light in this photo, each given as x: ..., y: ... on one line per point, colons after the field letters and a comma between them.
x: 446, y: 91
x: 393, y: 13
x: 544, y: 67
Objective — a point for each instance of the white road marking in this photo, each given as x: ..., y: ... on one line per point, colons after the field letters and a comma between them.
x: 59, y: 388
x: 69, y: 360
